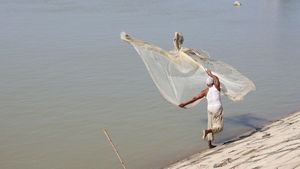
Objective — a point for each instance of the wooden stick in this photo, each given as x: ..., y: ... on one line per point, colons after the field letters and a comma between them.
x: 114, y: 147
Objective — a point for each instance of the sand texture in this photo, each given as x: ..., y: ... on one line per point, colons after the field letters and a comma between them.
x: 276, y: 146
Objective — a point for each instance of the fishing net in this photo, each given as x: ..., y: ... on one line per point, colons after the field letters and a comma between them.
x: 180, y: 74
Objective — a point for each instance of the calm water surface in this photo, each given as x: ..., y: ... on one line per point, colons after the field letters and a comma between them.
x: 65, y: 75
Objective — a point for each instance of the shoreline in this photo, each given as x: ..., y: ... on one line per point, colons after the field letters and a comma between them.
x: 275, y: 145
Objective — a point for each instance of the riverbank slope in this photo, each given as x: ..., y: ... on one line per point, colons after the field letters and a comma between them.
x: 276, y: 145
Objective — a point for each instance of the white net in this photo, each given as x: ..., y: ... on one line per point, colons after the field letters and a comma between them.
x: 180, y: 74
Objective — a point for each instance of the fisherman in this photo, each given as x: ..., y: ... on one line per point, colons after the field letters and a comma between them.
x: 215, y: 121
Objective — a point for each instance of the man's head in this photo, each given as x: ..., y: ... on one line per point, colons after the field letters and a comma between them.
x: 209, y: 81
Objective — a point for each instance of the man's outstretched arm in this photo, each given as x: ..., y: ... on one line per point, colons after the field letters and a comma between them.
x: 199, y: 96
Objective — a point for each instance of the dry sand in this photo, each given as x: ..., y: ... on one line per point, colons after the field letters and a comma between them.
x: 275, y: 146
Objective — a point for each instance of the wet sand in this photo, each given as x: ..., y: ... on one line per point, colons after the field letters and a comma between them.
x: 276, y: 145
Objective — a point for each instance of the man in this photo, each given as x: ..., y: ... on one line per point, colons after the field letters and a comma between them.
x: 215, y: 121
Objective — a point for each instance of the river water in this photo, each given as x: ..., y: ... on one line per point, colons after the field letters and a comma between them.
x: 66, y: 75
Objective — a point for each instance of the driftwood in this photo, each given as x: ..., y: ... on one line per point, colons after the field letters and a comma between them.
x: 114, y: 148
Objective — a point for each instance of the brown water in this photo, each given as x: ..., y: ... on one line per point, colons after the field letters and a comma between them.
x: 65, y: 75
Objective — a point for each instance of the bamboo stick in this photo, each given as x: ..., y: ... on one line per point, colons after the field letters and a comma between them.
x: 114, y: 148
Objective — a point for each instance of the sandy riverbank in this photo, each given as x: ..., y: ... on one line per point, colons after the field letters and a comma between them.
x: 276, y: 145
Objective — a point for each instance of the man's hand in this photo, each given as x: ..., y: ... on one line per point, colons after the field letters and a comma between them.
x: 208, y: 71
x: 182, y: 105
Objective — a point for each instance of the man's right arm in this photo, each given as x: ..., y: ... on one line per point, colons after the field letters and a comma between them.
x: 199, y: 96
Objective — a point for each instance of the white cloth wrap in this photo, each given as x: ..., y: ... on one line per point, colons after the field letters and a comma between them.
x: 215, y: 121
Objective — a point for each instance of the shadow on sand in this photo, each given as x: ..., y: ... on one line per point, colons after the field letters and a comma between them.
x: 247, y: 120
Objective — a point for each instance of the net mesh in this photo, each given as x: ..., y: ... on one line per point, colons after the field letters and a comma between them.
x: 180, y: 74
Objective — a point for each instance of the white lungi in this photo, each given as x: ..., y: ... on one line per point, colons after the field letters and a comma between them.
x: 215, y: 121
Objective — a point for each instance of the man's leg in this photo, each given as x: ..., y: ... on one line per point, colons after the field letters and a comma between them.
x: 207, y: 131
x: 214, y: 125
x: 208, y: 134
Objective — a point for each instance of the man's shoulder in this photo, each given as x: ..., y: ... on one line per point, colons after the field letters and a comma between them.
x: 218, y: 88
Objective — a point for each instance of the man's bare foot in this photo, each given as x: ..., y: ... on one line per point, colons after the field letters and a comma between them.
x: 210, y: 145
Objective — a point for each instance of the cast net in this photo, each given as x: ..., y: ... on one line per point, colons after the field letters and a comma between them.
x: 180, y: 74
